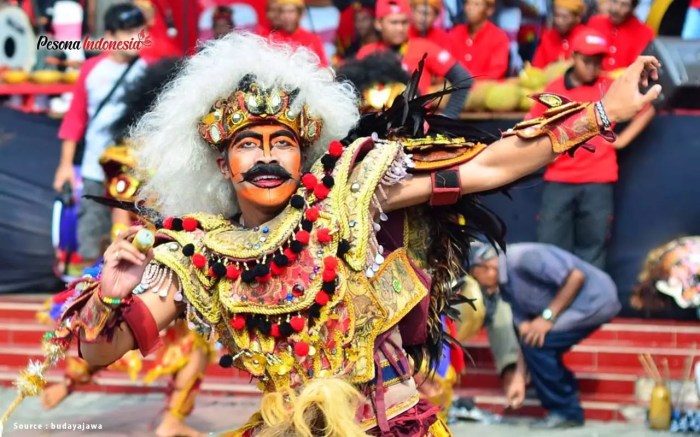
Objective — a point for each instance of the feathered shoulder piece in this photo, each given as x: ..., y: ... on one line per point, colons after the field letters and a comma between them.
x: 434, y: 141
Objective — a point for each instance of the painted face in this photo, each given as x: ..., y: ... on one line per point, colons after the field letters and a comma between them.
x: 264, y: 165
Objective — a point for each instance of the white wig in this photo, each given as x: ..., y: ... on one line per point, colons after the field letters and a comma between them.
x: 183, y: 176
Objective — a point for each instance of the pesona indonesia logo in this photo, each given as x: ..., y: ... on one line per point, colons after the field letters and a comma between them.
x: 135, y: 43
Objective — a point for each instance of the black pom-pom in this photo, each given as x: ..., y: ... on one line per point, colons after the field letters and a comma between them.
x: 188, y: 249
x: 343, y: 247
x: 328, y: 162
x: 264, y: 327
x: 251, y: 322
x: 328, y: 287
x: 247, y: 276
x: 219, y: 270
x: 281, y: 260
x: 177, y: 224
x: 261, y: 270
x: 328, y: 181
x: 315, y: 311
x: 307, y: 225
x: 226, y: 361
x: 286, y: 329
x: 297, y: 201
x: 296, y: 246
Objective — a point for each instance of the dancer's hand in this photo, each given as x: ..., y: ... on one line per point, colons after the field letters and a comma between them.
x: 123, y: 265
x: 624, y: 100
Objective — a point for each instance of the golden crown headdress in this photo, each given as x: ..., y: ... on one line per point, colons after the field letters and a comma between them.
x: 252, y: 104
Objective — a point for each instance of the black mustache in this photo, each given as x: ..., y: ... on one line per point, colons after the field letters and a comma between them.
x: 259, y: 169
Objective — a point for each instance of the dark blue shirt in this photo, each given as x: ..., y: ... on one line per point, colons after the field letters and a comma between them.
x: 531, y: 274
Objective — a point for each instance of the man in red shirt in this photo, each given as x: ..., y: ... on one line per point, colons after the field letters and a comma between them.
x: 425, y: 16
x: 392, y: 23
x: 479, y: 45
x: 627, y: 35
x: 555, y: 43
x: 577, y: 203
x: 289, y: 16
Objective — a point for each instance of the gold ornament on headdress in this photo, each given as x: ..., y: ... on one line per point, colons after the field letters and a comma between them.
x: 252, y: 104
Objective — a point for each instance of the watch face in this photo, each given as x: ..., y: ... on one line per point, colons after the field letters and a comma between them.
x: 547, y: 314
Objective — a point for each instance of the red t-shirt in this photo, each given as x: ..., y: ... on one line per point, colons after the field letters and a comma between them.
x: 484, y: 54
x: 553, y: 47
x: 627, y: 41
x: 437, y: 63
x: 584, y: 167
x: 435, y: 35
x: 301, y: 37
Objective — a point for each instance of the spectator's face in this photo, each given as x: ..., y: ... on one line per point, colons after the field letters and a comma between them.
x: 128, y: 35
x: 364, y: 23
x: 486, y: 274
x: 273, y: 15
x: 603, y: 7
x: 565, y: 20
x: 587, y: 67
x: 477, y: 11
x: 424, y: 17
x: 393, y: 28
x: 289, y: 18
x: 619, y: 10
x: 222, y: 28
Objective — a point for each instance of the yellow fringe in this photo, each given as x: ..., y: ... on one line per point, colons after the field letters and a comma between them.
x: 328, y: 405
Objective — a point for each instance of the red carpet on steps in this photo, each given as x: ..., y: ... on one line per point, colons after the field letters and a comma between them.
x: 606, y: 364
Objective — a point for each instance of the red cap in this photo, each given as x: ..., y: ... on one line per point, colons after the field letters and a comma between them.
x: 388, y: 7
x: 589, y: 42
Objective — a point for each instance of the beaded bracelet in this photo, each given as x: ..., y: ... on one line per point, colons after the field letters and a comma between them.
x: 111, y: 301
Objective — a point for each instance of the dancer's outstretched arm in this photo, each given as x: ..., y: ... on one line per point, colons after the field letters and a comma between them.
x: 513, y: 157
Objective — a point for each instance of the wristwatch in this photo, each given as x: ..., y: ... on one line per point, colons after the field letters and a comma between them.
x: 548, y: 315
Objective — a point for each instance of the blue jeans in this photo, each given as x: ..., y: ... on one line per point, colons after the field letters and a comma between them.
x: 691, y: 27
x: 555, y: 384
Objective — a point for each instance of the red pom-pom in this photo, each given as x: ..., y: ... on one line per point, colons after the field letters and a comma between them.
x: 276, y: 270
x: 168, y: 223
x: 291, y: 256
x: 238, y: 322
x: 324, y: 235
x: 232, y: 272
x: 189, y: 224
x: 330, y: 262
x: 322, y: 298
x: 301, y: 349
x: 297, y: 323
x: 199, y: 260
x: 329, y: 275
x: 302, y: 237
x: 321, y: 191
x: 335, y: 149
x: 264, y: 279
x: 275, y: 330
x: 309, y: 181
x: 312, y: 214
